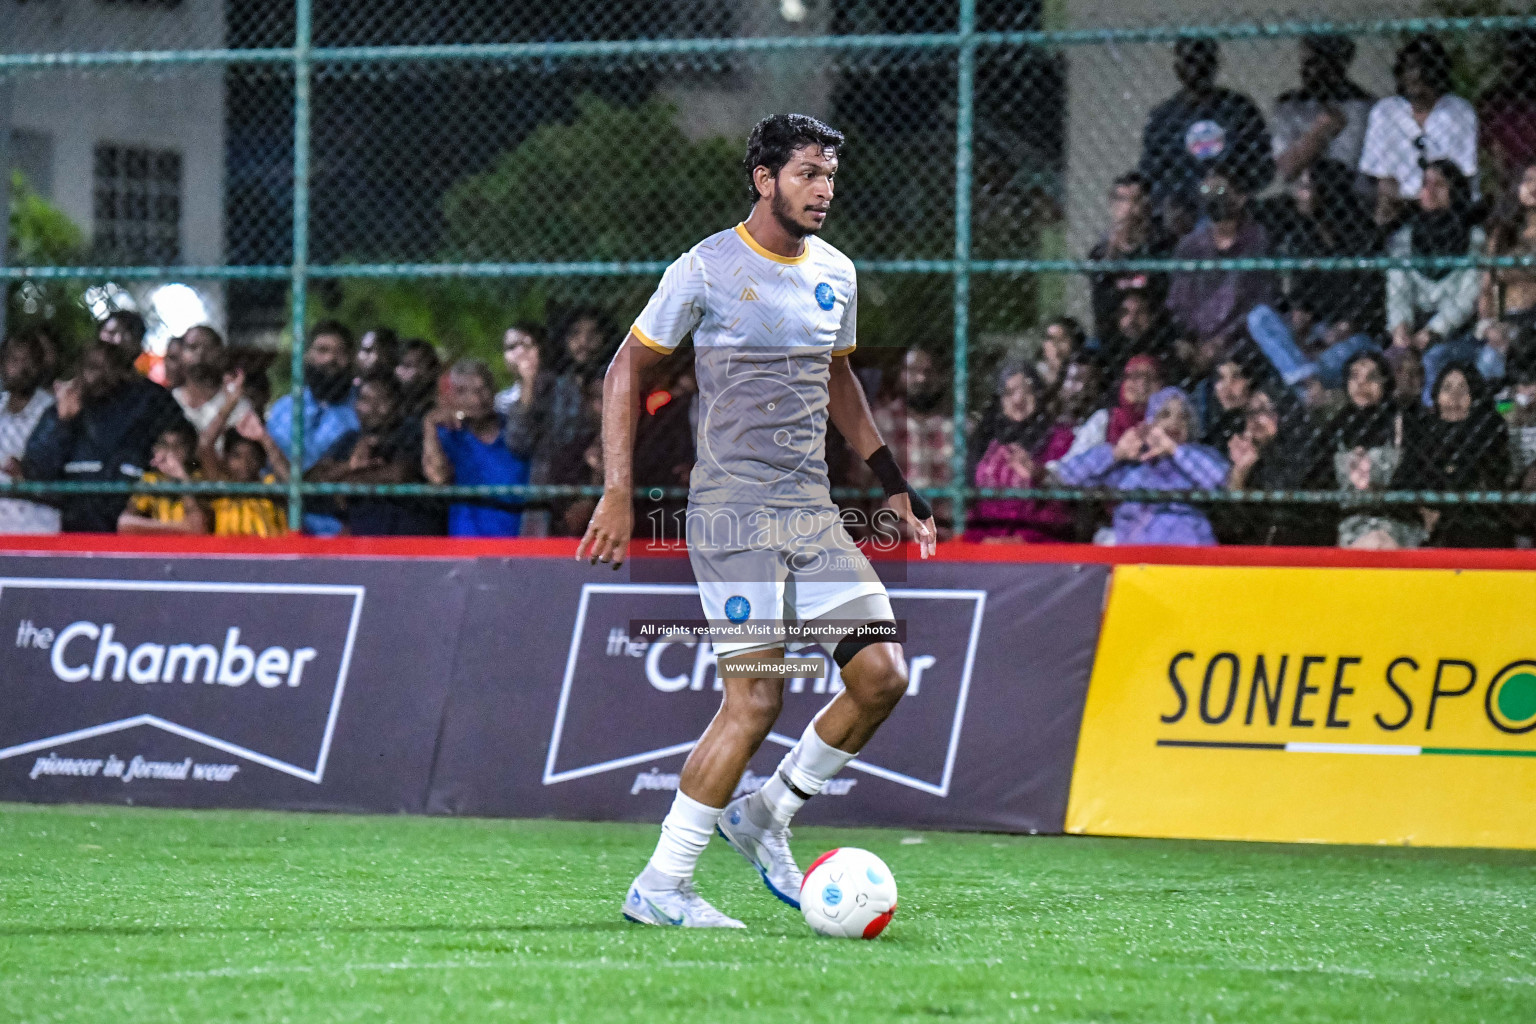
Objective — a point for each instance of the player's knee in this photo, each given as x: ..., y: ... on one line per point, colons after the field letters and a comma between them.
x: 756, y: 704
x: 877, y: 677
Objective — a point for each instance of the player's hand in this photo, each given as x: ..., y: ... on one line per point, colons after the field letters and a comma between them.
x: 927, y: 534
x: 607, y: 536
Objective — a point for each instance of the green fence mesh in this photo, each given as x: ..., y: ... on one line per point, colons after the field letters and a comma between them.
x: 1310, y: 220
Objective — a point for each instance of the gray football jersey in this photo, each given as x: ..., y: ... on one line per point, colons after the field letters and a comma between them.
x: 765, y: 328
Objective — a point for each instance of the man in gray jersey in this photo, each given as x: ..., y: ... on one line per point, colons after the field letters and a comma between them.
x: 773, y: 311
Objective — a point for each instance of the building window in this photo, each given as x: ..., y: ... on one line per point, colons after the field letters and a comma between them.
x: 138, y: 204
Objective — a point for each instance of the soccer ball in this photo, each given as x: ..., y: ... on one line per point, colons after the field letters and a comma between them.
x: 848, y: 894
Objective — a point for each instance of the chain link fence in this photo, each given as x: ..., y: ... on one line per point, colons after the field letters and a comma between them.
x: 1178, y: 273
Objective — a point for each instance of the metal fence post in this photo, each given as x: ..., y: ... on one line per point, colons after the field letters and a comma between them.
x: 299, y: 271
x: 965, y: 102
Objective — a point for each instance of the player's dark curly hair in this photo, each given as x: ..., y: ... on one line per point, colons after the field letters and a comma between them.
x: 774, y: 140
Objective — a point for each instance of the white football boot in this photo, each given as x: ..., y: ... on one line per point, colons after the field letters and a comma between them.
x: 680, y: 907
x: 765, y: 849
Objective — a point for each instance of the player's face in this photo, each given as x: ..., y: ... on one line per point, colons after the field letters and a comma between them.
x: 802, y: 193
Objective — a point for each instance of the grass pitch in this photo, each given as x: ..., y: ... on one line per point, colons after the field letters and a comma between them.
x: 147, y: 915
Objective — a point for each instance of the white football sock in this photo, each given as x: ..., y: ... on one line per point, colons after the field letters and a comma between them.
x: 807, y: 767
x: 684, y: 833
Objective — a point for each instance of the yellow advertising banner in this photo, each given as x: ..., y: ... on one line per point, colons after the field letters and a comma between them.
x: 1313, y: 705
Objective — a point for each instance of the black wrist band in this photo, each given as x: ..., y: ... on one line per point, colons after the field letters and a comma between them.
x: 920, y: 508
x: 883, y: 464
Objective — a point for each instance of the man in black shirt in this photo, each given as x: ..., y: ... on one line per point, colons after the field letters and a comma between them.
x: 1200, y: 126
x: 102, y: 428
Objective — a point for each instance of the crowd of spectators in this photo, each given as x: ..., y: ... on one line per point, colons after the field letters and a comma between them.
x: 374, y: 410
x: 1354, y: 381
x: 1347, y: 380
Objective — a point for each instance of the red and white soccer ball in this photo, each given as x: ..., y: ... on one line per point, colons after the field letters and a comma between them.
x: 848, y: 894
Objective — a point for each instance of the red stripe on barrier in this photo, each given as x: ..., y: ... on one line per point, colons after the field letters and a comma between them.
x: 565, y: 547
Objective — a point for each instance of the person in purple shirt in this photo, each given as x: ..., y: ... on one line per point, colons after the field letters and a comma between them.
x: 1156, y: 456
x: 1210, y: 307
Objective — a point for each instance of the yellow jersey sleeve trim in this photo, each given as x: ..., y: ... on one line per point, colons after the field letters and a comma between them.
x: 843, y: 351
x: 648, y: 342
x: 746, y: 236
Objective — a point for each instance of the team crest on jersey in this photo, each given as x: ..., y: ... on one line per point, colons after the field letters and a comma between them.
x: 737, y: 608
x: 824, y: 296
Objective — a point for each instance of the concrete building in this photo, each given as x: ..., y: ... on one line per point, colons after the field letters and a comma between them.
x: 134, y: 156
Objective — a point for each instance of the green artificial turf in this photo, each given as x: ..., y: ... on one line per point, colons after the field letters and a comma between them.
x: 111, y: 914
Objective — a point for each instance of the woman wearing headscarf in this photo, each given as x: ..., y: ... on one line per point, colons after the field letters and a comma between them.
x: 1464, y: 446
x: 1274, y: 451
x: 1021, y: 436
x: 1361, y: 450
x: 1155, y: 455
x: 1430, y: 308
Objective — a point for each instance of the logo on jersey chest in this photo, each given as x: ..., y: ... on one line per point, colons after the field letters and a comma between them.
x: 748, y: 295
x: 825, y: 298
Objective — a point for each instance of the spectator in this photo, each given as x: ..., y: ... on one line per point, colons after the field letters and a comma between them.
x: 1139, y: 382
x: 1064, y: 338
x: 1508, y: 294
x: 1140, y: 327
x: 1326, y: 117
x: 1133, y: 235
x: 385, y: 449
x: 172, y: 368
x: 246, y: 455
x: 1424, y: 123
x: 916, y: 420
x: 1464, y: 447
x: 378, y: 350
x: 1211, y: 306
x: 241, y: 454
x: 1155, y: 455
x: 1272, y: 452
x: 1325, y: 217
x: 202, y: 344
x: 102, y: 427
x: 1077, y: 401
x: 1360, y: 450
x: 584, y: 339
x: 548, y: 426
x: 464, y: 443
x: 664, y: 454
x: 522, y: 347
x: 1429, y: 307
x: 173, y: 458
x: 23, y: 365
x: 123, y: 329
x: 1407, y: 368
x: 327, y: 412
x: 1521, y: 418
x: 1226, y: 414
x: 1507, y: 111
x: 1203, y: 126
x: 1369, y: 420
x: 205, y: 395
x: 1021, y: 435
x: 418, y: 372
